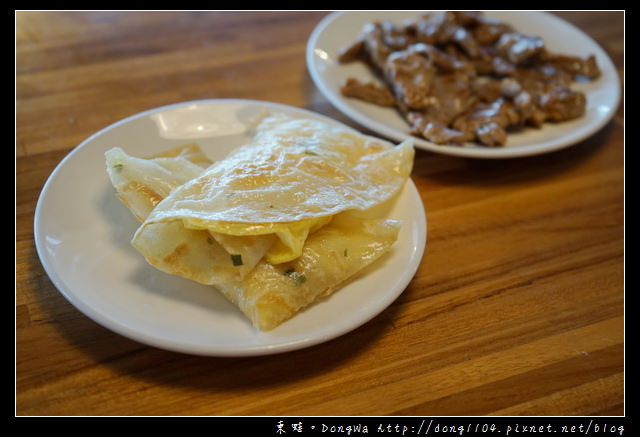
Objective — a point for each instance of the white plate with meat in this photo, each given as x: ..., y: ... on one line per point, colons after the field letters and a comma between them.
x: 340, y: 30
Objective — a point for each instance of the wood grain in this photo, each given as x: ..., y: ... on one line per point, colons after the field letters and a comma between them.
x: 517, y: 307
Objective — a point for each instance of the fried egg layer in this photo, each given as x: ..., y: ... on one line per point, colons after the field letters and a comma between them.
x: 288, y: 181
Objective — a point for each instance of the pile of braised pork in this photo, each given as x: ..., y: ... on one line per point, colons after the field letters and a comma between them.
x: 460, y: 77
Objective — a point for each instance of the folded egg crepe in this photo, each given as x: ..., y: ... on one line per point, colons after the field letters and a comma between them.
x: 141, y: 183
x: 279, y: 223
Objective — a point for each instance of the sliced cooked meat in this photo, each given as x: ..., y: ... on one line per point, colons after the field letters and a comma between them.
x: 561, y: 103
x: 435, y: 131
x: 462, y: 76
x: 487, y: 30
x: 574, y: 65
x: 351, y: 52
x: 369, y: 92
x: 410, y: 75
x: 519, y: 48
x: 491, y: 134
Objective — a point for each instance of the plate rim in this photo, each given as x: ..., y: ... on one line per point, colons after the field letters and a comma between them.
x: 108, y: 322
x: 465, y: 152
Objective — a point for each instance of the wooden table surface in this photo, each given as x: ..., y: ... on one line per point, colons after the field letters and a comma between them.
x: 516, y: 309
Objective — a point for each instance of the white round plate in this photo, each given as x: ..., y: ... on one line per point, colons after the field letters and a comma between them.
x: 339, y: 29
x: 83, y: 233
